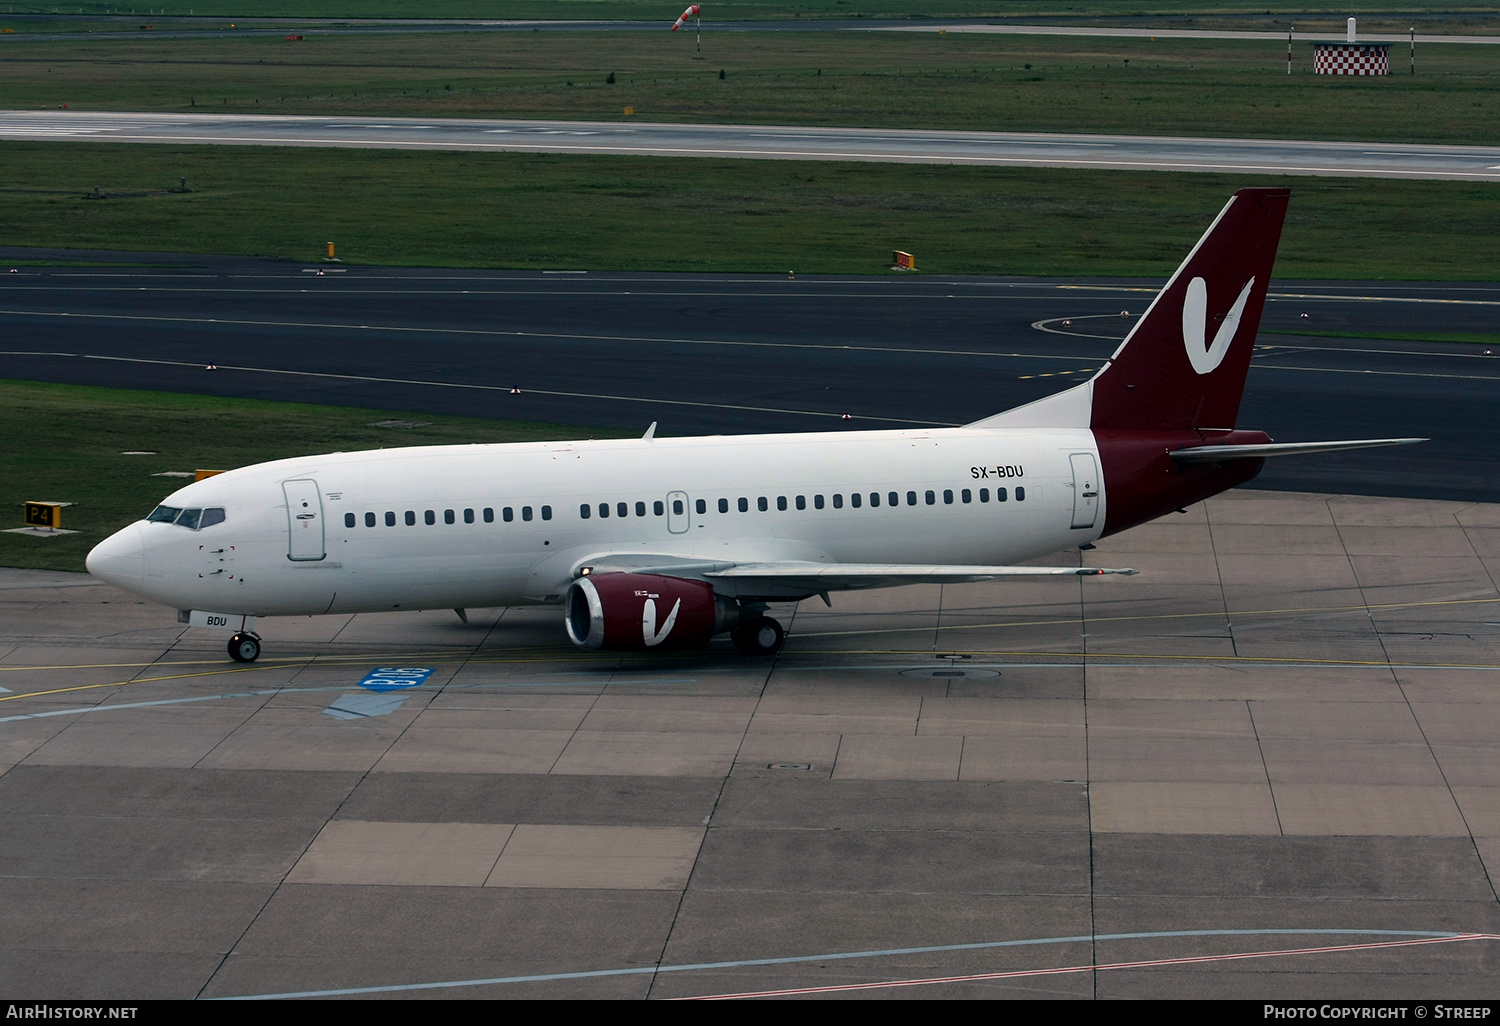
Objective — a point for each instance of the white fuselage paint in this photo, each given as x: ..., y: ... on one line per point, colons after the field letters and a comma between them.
x: 251, y: 563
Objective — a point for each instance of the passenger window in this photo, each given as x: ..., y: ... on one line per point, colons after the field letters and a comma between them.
x: 603, y: 511
x: 411, y: 518
x: 761, y: 504
x: 893, y: 499
x: 623, y: 509
x: 430, y: 518
x: 369, y: 519
x: 838, y: 500
x: 489, y: 515
x: 817, y: 502
x: 584, y: 511
x: 781, y: 502
x: 1000, y: 495
x: 984, y: 495
x: 702, y: 506
x: 948, y: 496
x: 349, y: 520
x: 215, y: 516
x: 468, y: 516
x: 744, y: 505
x: 855, y: 500
x: 525, y: 512
x: 1020, y: 494
x: 507, y: 514
x: 801, y: 502
x: 874, y: 499
x: 390, y: 519
x: 723, y: 505
x: 966, y: 495
x: 449, y: 517
x: 546, y: 512
x: 931, y: 497
x: 640, y: 509
x: 911, y: 498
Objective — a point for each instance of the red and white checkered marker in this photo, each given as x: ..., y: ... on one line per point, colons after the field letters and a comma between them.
x: 685, y: 16
x: 1351, y: 59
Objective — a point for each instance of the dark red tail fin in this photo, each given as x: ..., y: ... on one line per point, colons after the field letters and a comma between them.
x: 1183, y: 366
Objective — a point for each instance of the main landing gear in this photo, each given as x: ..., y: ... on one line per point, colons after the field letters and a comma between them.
x: 760, y: 635
x: 244, y: 647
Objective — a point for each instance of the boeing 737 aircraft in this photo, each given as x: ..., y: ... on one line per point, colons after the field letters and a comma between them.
x: 658, y: 542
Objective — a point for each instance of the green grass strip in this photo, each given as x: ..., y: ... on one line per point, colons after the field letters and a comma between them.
x: 65, y: 443
x: 1135, y: 86
x: 718, y: 10
x: 648, y: 213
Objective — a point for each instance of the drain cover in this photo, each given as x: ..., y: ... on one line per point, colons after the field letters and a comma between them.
x: 949, y: 672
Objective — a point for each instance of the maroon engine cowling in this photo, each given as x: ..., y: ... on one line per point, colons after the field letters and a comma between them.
x: 644, y: 612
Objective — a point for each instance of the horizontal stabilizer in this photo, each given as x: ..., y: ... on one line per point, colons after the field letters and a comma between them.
x: 1220, y: 453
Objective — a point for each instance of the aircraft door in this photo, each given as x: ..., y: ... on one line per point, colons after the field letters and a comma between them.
x: 304, y: 518
x: 679, y: 517
x: 1085, y: 489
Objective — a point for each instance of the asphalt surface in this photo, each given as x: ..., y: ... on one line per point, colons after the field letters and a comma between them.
x: 1265, y: 768
x: 727, y: 353
x: 770, y: 142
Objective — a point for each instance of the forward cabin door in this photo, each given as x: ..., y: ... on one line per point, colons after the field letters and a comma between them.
x: 304, y: 520
x: 1085, y: 489
x: 679, y: 518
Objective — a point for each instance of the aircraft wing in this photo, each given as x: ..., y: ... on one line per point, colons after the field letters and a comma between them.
x: 818, y: 577
x: 809, y: 577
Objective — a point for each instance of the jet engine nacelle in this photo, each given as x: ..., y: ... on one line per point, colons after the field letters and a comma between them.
x: 644, y: 611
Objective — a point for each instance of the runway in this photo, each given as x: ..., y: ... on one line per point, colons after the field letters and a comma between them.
x: 704, y: 354
x: 769, y: 142
x: 1264, y: 769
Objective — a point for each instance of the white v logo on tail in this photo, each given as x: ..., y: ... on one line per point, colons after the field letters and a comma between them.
x: 1203, y: 357
x: 648, y: 623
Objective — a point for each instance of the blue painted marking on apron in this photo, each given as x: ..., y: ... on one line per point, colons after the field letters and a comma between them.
x: 395, y: 678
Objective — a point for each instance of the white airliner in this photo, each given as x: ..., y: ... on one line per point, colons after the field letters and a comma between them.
x: 657, y: 542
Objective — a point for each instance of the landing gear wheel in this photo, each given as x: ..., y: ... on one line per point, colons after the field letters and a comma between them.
x: 244, y: 648
x: 760, y: 636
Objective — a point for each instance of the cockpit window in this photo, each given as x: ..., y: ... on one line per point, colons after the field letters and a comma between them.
x: 192, y: 519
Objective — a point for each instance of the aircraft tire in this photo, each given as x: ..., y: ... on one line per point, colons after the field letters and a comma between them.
x: 244, y: 648
x: 760, y: 636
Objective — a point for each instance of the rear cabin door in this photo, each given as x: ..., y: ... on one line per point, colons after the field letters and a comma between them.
x: 304, y: 520
x: 1085, y: 489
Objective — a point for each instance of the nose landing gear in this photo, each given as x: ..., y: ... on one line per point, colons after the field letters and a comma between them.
x: 244, y: 647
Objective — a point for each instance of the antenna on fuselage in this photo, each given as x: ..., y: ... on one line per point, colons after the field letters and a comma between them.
x: 650, y: 432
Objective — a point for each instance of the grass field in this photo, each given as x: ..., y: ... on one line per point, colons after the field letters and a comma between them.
x: 650, y: 213
x: 65, y: 443
x: 730, y: 10
x: 895, y: 80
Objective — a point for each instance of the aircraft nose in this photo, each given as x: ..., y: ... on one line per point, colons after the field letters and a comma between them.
x: 117, y: 559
